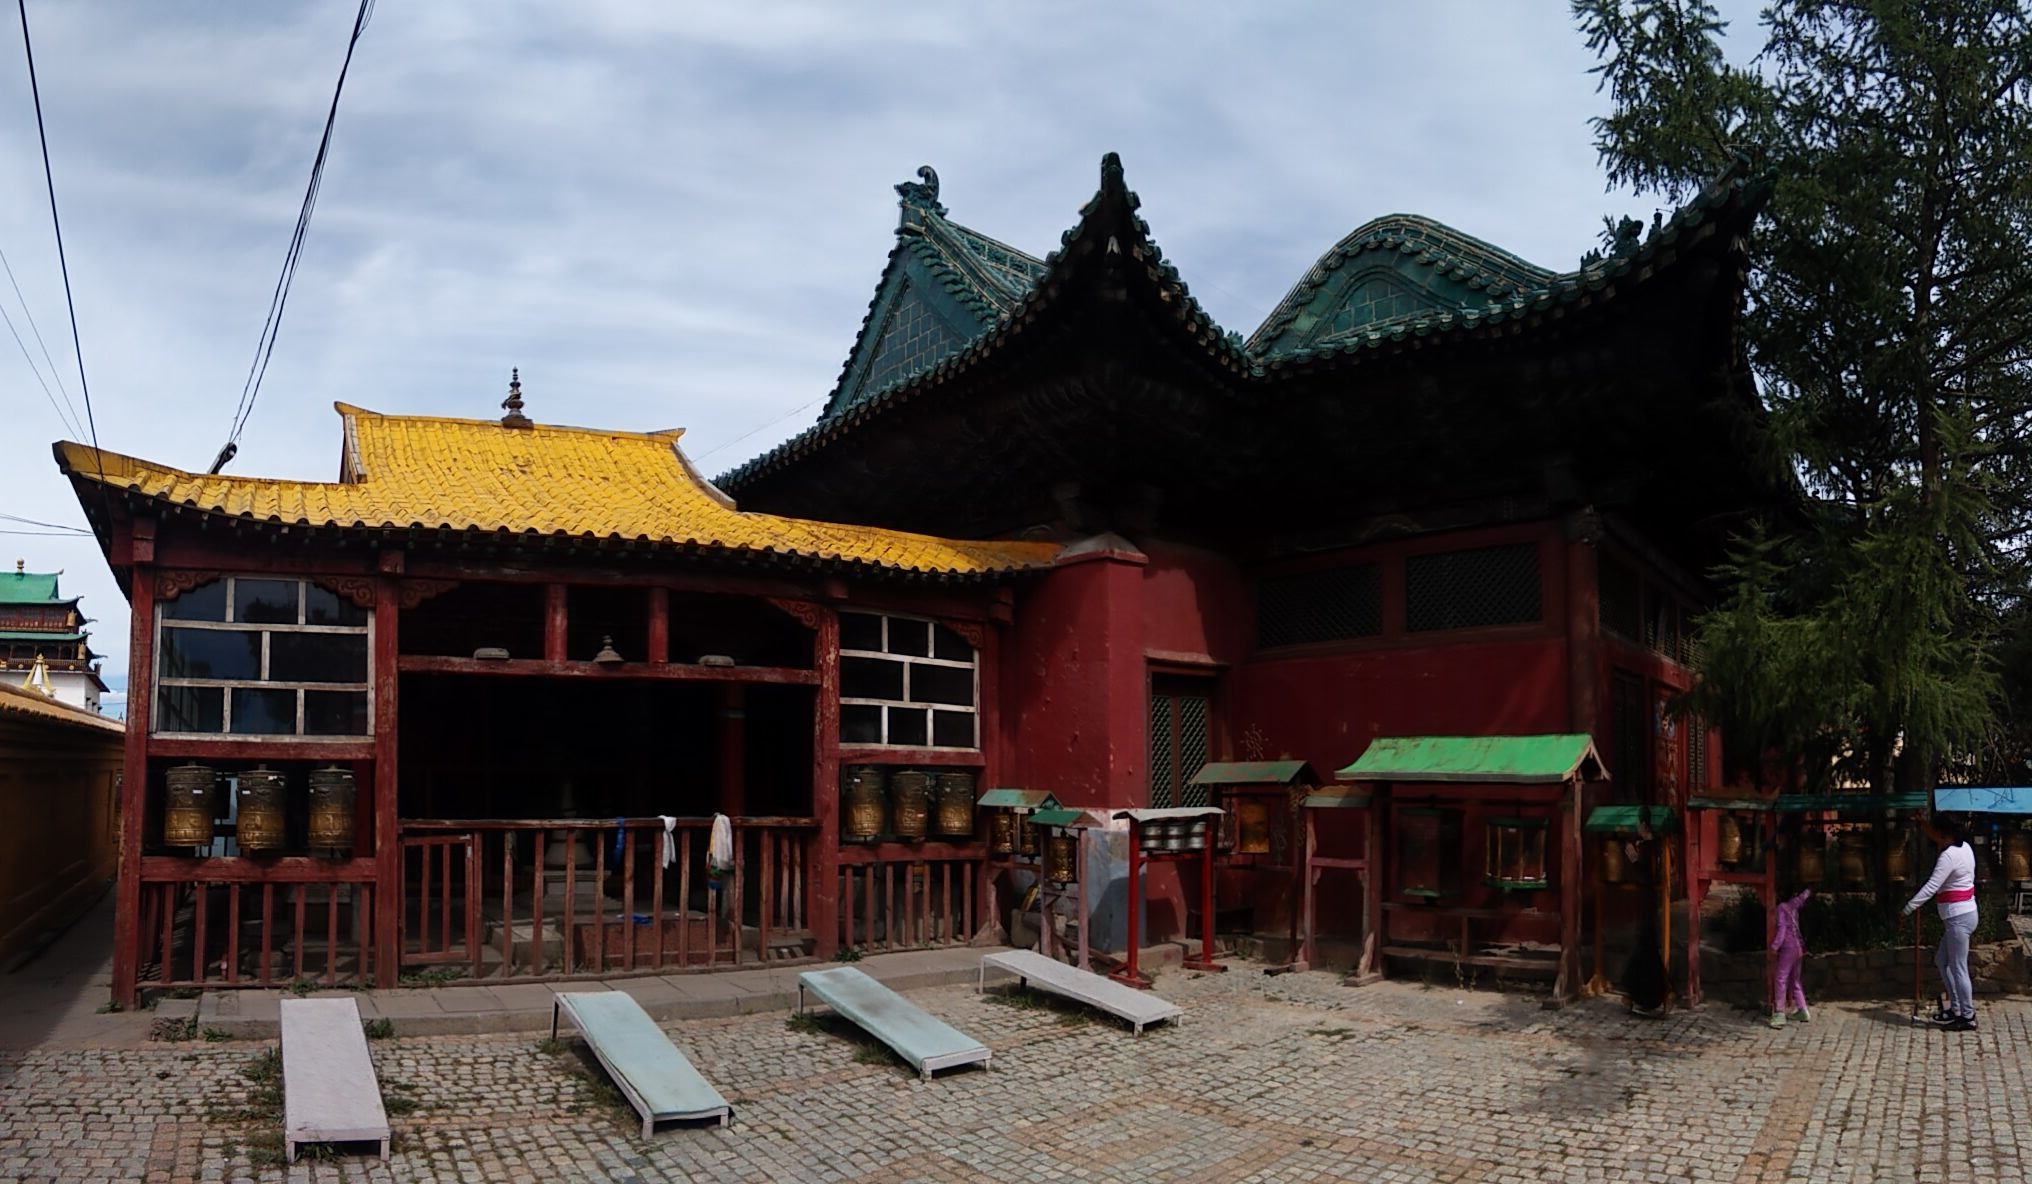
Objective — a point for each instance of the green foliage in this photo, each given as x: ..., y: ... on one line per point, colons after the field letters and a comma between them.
x: 847, y: 954
x: 1890, y: 326
x: 379, y: 1029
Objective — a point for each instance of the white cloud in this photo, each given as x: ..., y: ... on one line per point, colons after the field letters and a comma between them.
x: 674, y: 214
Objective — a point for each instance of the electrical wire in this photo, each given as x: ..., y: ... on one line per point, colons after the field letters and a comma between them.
x: 70, y: 421
x: 751, y: 431
x: 18, y: 520
x: 56, y: 224
x: 264, y: 346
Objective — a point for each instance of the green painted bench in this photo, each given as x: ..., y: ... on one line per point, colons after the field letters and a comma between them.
x: 928, y: 1044
x: 648, y: 1069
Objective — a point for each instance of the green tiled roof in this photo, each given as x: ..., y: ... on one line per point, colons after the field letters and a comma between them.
x: 1499, y: 759
x: 1624, y: 818
x: 31, y: 635
x: 950, y: 296
x: 1255, y: 773
x: 29, y: 587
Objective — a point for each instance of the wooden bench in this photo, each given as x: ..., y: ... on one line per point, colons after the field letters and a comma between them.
x: 649, y: 1070
x: 926, y: 1043
x: 329, y: 1091
x: 1105, y: 994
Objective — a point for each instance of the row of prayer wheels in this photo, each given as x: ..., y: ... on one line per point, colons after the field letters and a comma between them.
x: 195, y: 795
x: 906, y: 804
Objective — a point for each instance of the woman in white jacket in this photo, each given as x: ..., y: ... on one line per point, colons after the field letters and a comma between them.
x: 1952, y: 888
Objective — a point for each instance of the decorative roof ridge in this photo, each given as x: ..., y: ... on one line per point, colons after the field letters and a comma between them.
x: 1735, y: 187
x: 1113, y: 204
x: 659, y: 435
x: 1476, y: 262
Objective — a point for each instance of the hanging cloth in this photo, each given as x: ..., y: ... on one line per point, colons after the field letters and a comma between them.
x: 620, y: 839
x: 669, y: 838
x: 720, y: 848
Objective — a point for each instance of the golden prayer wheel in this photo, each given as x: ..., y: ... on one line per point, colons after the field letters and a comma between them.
x: 909, y: 803
x: 1614, y: 867
x: 333, y: 794
x: 1898, y: 856
x: 260, y: 828
x: 1809, y: 862
x: 1062, y: 863
x: 190, y: 806
x: 1002, y: 833
x: 956, y: 804
x: 1026, y: 835
x: 1855, y: 858
x: 866, y: 812
x: 1728, y: 840
x: 2018, y: 855
x: 1252, y: 826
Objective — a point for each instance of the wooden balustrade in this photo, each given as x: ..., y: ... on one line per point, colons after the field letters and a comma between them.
x: 221, y: 930
x: 509, y: 900
x: 909, y: 902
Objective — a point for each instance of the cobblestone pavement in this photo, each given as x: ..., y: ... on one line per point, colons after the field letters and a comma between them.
x: 1289, y: 1078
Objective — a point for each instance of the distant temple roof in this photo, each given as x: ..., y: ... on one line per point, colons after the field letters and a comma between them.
x: 31, y: 587
x: 413, y: 473
x: 19, y: 704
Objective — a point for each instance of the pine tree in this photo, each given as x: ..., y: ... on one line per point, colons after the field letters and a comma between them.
x: 1890, y: 328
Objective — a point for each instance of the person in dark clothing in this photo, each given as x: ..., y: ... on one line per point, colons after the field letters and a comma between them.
x: 1644, y: 980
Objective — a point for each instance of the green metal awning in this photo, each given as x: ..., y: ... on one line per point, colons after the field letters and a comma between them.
x: 1624, y: 818
x: 1353, y: 799
x: 1801, y: 803
x: 1063, y: 817
x: 1255, y: 773
x: 1018, y: 799
x: 1507, y: 759
x: 31, y: 635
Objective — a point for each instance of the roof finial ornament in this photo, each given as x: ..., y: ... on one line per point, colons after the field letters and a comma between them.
x: 21, y: 568
x: 921, y: 193
x: 513, y: 403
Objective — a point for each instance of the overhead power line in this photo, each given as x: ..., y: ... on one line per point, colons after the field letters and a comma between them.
x: 264, y: 346
x: 56, y: 224
x: 70, y: 421
x: 751, y: 431
x: 67, y: 413
x: 18, y: 520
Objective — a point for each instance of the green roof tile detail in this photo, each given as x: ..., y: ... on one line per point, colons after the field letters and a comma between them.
x: 31, y: 635
x: 1620, y: 819
x: 1018, y: 799
x: 1255, y: 773
x: 1498, y: 759
x: 29, y: 587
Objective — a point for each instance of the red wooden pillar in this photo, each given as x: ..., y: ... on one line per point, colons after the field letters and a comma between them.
x: 1369, y: 968
x: 554, y: 623
x: 730, y: 710
x: 1696, y: 895
x: 1566, y: 987
x: 659, y: 625
x: 387, y: 839
x: 134, y: 776
x: 823, y: 885
x: 1584, y: 625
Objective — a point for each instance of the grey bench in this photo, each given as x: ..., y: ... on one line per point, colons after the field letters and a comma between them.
x: 928, y: 1044
x: 329, y: 1091
x: 1029, y: 966
x: 649, y: 1070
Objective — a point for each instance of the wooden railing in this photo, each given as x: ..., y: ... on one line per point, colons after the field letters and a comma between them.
x: 508, y: 900
x: 898, y: 897
x: 207, y: 923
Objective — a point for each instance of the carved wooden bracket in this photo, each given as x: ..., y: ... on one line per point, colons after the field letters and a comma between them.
x: 358, y: 589
x: 976, y: 634
x: 415, y: 592
x: 804, y: 610
x: 171, y: 584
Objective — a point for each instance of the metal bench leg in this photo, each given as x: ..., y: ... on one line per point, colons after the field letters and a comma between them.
x: 554, y: 1005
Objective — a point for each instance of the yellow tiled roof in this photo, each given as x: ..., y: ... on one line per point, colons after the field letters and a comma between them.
x: 400, y: 472
x: 15, y: 700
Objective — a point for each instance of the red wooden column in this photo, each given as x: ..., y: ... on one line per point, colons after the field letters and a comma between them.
x: 824, y: 883
x: 1584, y: 625
x: 140, y: 546
x: 554, y: 623
x: 387, y: 837
x: 1369, y: 967
x: 1566, y: 986
x: 659, y: 625
x: 730, y: 718
x: 1696, y: 892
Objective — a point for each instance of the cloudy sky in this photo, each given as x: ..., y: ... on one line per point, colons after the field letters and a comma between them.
x: 674, y: 214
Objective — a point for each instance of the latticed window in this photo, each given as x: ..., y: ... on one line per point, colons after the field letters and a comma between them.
x: 1696, y: 755
x: 1470, y: 589
x: 906, y: 682
x: 261, y: 657
x: 913, y: 339
x: 1629, y: 736
x: 1622, y: 606
x: 1317, y: 606
x: 1179, y: 723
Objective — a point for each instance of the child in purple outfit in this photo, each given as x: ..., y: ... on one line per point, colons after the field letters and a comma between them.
x: 1791, y: 950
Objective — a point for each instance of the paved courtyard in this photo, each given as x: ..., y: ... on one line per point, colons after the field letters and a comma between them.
x: 1286, y: 1078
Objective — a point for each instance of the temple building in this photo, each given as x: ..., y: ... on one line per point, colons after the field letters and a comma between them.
x: 1057, y: 539
x: 44, y: 644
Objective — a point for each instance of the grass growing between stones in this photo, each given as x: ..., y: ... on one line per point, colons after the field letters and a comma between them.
x: 1069, y: 1013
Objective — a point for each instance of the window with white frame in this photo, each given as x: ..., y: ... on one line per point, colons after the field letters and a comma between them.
x: 907, y: 683
x: 247, y: 656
